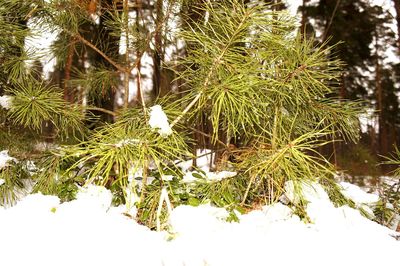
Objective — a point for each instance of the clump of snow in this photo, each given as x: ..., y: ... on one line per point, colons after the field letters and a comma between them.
x: 189, y: 177
x: 2, y: 181
x: 310, y: 191
x: 31, y: 167
x: 362, y: 199
x: 204, y: 161
x: 5, y: 158
x: 45, y: 146
x: 133, y: 173
x: 218, y: 176
x: 390, y: 180
x: 159, y: 120
x: 167, y: 177
x: 127, y: 142
x: 356, y: 194
x: 6, y: 101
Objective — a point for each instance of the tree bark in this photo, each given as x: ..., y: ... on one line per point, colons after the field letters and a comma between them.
x: 111, y: 41
x: 139, y: 96
x: 383, y: 134
x: 397, y: 8
x: 158, y: 54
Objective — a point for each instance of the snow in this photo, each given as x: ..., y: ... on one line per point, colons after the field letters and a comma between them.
x: 218, y: 176
x: 89, y: 231
x: 356, y: 194
x: 159, y: 120
x: 5, y: 158
x: 310, y: 192
x: 204, y: 160
x: 167, y: 177
x: 189, y: 177
x: 6, y: 101
x: 127, y: 142
x: 2, y: 181
x: 363, y: 200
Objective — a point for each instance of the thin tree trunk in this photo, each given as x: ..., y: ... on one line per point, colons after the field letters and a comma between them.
x: 112, y: 43
x: 330, y: 21
x: 397, y: 8
x: 303, y: 19
x: 127, y: 61
x: 383, y: 137
x: 157, y: 56
x: 139, y: 96
x: 68, y: 94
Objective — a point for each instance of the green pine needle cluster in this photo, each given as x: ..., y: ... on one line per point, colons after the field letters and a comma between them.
x: 34, y: 103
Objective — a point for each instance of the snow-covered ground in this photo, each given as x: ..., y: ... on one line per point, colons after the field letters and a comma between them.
x: 87, y: 231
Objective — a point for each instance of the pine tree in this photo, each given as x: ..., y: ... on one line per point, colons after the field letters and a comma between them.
x: 259, y: 86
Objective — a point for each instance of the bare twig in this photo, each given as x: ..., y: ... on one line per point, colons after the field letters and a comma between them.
x: 102, y: 110
x: 94, y: 47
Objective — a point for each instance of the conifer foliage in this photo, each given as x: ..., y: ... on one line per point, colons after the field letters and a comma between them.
x: 249, y: 84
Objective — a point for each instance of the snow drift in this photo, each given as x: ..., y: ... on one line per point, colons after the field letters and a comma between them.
x: 89, y: 231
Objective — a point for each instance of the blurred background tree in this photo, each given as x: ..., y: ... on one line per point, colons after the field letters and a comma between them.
x: 368, y: 46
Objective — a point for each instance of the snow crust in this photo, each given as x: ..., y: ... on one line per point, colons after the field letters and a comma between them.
x: 310, y: 191
x: 89, y: 231
x: 6, y: 101
x: 5, y: 158
x: 159, y: 120
x: 358, y: 195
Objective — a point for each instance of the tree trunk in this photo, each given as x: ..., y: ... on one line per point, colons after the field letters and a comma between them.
x: 303, y: 19
x: 111, y: 42
x: 397, y: 8
x: 139, y: 95
x: 157, y: 55
x: 383, y: 134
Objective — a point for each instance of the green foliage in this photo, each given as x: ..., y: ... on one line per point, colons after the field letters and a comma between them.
x: 389, y: 205
x: 34, y: 104
x: 394, y: 160
x: 96, y: 81
x: 333, y: 190
x: 129, y: 144
x: 291, y: 159
x: 53, y: 178
x: 224, y: 194
x: 13, y: 187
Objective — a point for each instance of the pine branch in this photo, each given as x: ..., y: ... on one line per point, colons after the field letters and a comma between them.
x: 95, y: 48
x: 217, y: 61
